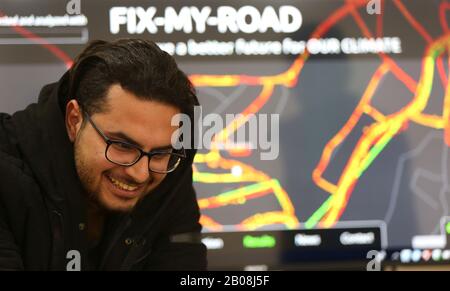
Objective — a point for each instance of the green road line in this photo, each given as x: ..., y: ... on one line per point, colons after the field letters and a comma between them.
x: 314, y: 219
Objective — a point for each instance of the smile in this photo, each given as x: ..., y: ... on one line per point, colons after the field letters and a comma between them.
x: 121, y: 185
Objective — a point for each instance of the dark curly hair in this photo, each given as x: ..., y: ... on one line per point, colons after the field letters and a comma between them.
x: 139, y: 66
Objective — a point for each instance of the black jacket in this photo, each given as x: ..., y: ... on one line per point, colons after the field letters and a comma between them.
x: 43, y: 208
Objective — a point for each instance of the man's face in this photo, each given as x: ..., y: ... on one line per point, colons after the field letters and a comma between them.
x: 146, y: 124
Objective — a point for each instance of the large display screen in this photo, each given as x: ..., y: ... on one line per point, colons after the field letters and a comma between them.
x: 352, y: 99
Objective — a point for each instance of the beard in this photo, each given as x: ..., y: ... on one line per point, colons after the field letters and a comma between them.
x: 85, y: 175
x: 92, y: 189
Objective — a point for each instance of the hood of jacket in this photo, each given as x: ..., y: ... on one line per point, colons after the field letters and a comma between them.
x: 40, y: 135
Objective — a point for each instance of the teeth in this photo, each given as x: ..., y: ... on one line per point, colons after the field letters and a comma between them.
x: 121, y: 185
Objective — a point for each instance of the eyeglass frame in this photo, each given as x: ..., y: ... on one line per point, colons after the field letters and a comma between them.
x: 142, y: 153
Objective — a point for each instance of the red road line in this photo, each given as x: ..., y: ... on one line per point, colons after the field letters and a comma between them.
x: 53, y: 49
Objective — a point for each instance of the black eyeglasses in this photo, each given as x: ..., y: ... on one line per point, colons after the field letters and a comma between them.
x: 126, y: 154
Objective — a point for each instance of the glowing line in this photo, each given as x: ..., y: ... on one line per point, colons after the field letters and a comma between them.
x: 387, y: 129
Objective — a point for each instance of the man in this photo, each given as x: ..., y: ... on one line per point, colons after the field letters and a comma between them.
x: 88, y: 177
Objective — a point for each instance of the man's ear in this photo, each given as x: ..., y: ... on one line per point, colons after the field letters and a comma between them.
x: 74, y: 119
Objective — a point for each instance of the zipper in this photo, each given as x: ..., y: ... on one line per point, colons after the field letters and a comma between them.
x: 57, y: 259
x: 124, y: 224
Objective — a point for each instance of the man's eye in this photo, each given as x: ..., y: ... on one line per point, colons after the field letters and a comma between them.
x: 123, y: 146
x: 161, y: 157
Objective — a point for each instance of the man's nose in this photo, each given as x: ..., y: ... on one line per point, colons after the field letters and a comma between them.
x: 139, y: 171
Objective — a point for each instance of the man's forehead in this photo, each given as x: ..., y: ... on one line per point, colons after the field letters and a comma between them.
x: 143, y: 121
x: 120, y: 102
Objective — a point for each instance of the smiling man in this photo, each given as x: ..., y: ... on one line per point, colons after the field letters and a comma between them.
x: 90, y: 170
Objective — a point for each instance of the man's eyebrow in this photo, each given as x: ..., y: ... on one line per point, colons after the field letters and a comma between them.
x: 163, y: 148
x: 123, y: 136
